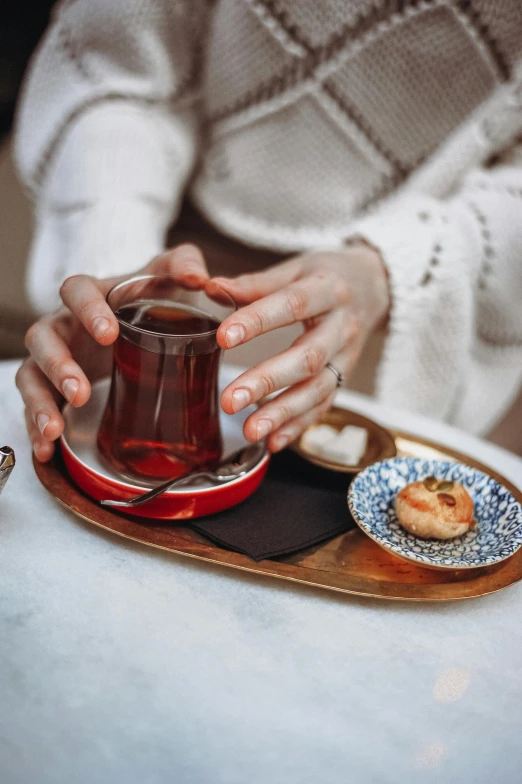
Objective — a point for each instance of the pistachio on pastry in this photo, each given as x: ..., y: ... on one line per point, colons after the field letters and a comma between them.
x: 433, y: 509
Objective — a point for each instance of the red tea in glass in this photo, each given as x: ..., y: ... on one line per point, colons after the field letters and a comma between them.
x: 162, y: 416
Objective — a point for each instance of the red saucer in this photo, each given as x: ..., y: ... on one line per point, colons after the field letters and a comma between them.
x: 82, y: 459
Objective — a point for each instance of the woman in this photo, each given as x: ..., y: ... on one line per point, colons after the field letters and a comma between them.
x: 375, y: 142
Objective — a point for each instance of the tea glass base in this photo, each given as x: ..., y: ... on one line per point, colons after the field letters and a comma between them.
x: 177, y: 467
x: 100, y: 481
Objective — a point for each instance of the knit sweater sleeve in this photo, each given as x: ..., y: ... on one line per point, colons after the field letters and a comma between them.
x: 454, y: 343
x: 107, y: 136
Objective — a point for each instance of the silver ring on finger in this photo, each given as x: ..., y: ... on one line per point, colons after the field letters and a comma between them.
x: 337, y: 374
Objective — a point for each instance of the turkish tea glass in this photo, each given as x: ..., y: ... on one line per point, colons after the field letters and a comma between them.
x: 161, y: 420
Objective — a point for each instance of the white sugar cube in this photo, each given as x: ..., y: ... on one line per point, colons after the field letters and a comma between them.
x: 315, y: 439
x: 348, y: 446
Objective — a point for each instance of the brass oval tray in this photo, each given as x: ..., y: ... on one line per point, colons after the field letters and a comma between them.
x: 351, y: 563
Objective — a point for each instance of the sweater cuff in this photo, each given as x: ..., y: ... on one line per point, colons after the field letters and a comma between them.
x: 404, y: 238
x: 428, y: 338
x: 111, y: 189
x: 105, y: 240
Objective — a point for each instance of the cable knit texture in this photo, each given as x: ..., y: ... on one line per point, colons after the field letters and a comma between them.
x: 298, y: 124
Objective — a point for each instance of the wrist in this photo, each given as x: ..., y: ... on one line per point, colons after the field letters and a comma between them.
x: 378, y: 300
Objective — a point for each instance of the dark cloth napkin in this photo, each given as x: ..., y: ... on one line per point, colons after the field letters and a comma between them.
x: 296, y: 506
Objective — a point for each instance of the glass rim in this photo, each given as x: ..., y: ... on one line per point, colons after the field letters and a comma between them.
x: 151, y: 332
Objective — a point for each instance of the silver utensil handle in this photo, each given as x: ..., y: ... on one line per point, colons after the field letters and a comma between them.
x: 7, y: 463
x: 150, y: 494
x: 250, y: 454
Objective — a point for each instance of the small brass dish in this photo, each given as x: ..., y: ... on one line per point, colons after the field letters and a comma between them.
x: 379, y: 446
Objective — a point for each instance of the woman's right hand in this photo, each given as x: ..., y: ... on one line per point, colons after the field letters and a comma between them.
x: 72, y: 346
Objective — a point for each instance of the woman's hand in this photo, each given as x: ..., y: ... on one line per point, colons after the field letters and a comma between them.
x: 340, y: 297
x: 72, y: 345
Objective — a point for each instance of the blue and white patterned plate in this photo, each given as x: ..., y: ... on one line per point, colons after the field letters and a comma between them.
x: 497, y: 535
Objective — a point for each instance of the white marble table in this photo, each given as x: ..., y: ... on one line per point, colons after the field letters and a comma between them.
x: 123, y: 665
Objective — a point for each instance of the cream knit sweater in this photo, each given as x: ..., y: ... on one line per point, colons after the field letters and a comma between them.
x: 297, y: 124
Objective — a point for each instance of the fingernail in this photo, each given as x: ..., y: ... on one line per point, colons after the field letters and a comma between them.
x: 100, y: 325
x: 42, y: 420
x: 235, y: 335
x: 240, y: 399
x: 69, y: 388
x: 264, y: 426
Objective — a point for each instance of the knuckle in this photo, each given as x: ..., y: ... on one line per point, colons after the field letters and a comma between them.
x: 183, y: 259
x: 62, y: 326
x: 323, y: 391
x: 158, y: 260
x: 311, y: 323
x: 19, y: 378
x: 314, y: 359
x: 341, y: 287
x: 297, y: 302
x: 256, y: 323
x: 87, y: 310
x: 267, y: 384
x: 169, y: 266
x: 188, y: 268
x: 322, y: 272
x: 283, y: 414
x: 188, y: 248
x: 355, y: 331
x: 70, y: 284
x: 52, y: 367
x: 32, y: 335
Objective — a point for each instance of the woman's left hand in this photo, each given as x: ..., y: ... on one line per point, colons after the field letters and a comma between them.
x: 340, y: 297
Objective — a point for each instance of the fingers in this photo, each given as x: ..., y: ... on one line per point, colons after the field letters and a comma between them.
x: 85, y: 297
x: 293, y: 429
x: 43, y: 418
x: 303, y: 299
x: 291, y: 404
x: 186, y: 263
x: 283, y: 418
x: 283, y: 414
x: 52, y: 355
x: 42, y: 448
x: 306, y: 403
x: 51, y: 372
x: 305, y: 359
x: 248, y: 288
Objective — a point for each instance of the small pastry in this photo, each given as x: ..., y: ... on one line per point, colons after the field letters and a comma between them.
x: 435, y: 509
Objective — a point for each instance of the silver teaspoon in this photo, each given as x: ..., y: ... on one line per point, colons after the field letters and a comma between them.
x: 233, y: 466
